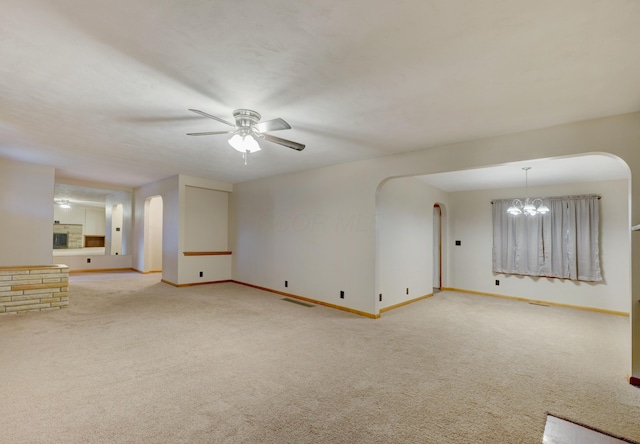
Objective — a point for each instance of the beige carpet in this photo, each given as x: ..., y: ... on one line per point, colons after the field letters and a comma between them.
x: 134, y: 360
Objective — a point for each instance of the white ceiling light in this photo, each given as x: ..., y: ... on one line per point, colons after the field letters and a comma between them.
x: 528, y: 207
x: 64, y: 204
x: 244, y: 143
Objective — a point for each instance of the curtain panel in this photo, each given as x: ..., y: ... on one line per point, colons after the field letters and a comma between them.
x: 563, y: 243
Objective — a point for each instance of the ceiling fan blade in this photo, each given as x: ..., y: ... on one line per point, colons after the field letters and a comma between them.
x: 209, y: 133
x: 272, y: 125
x: 288, y: 143
x: 211, y: 117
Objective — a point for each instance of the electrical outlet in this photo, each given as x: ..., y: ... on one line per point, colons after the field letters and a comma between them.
x: 458, y: 243
x: 88, y: 260
x: 341, y: 294
x: 380, y: 297
x: 201, y: 274
x: 407, y: 291
x: 286, y: 283
x: 497, y: 281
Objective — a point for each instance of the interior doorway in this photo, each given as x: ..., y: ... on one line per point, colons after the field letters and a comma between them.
x: 153, y: 234
x: 437, y: 248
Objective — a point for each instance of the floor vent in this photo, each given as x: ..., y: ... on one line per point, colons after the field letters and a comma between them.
x: 304, y: 304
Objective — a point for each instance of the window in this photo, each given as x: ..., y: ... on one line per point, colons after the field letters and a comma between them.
x: 563, y: 243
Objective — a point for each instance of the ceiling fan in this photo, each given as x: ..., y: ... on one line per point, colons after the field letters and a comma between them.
x: 247, y: 129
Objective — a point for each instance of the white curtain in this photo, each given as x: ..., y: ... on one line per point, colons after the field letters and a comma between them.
x: 563, y: 243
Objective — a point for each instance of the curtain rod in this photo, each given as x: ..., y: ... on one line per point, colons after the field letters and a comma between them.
x: 552, y: 197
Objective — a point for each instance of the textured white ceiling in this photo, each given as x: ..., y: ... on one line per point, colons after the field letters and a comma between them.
x: 78, y: 194
x: 100, y: 89
x: 562, y: 170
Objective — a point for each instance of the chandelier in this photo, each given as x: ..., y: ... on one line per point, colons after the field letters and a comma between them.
x: 528, y: 207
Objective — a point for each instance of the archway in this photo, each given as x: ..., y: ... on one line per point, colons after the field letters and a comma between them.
x: 467, y: 250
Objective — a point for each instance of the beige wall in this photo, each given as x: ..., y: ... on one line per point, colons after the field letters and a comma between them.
x: 404, y: 254
x: 314, y: 229
x: 182, y: 207
x: 168, y: 189
x: 317, y: 228
x: 153, y: 234
x: 26, y: 209
x: 289, y: 227
x: 206, y: 222
x: 123, y: 245
x: 471, y: 261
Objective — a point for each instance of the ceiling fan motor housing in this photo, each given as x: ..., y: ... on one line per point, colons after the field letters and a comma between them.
x: 246, y: 117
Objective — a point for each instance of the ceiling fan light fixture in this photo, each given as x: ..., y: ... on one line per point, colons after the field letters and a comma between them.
x: 64, y: 204
x: 247, y: 128
x: 244, y: 143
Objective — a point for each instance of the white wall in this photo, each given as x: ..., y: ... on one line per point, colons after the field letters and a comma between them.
x: 153, y: 234
x: 286, y: 226
x: 177, y: 210
x: 91, y: 218
x: 204, y: 227
x: 405, y: 244
x: 314, y: 229
x: 95, y: 221
x: 471, y: 223
x: 206, y: 222
x: 168, y: 189
x: 98, y: 262
x: 206, y: 219
x: 125, y: 198
x: 26, y: 209
x: 116, y: 229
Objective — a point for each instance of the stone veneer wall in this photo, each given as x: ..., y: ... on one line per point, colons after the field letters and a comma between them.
x: 33, y: 288
x: 74, y: 234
